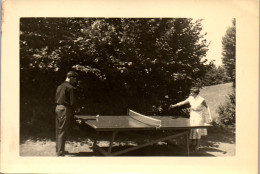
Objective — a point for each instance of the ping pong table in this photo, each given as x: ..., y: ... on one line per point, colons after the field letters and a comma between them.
x: 174, y: 126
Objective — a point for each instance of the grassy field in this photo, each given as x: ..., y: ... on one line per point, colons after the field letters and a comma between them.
x: 216, y: 95
x: 219, y: 142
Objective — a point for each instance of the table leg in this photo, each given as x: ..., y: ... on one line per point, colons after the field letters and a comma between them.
x: 95, y: 139
x: 168, y: 137
x: 149, y: 143
x: 187, y: 144
x: 111, y: 141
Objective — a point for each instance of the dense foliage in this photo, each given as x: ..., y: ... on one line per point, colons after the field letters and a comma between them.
x: 229, y: 51
x: 215, y: 75
x: 227, y: 111
x: 143, y: 64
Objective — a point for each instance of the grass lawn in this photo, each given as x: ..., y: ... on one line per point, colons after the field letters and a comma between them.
x: 219, y: 142
x: 216, y: 95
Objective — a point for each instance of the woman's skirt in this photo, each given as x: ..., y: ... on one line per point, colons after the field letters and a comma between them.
x: 196, y: 117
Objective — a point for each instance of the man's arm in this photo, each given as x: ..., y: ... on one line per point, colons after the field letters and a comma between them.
x: 72, y: 97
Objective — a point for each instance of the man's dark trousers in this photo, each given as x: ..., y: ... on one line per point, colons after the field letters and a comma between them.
x: 63, y: 116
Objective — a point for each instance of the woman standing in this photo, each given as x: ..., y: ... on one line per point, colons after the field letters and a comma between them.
x: 196, y: 115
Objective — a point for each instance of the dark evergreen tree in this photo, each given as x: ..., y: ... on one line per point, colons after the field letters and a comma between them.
x: 229, y: 51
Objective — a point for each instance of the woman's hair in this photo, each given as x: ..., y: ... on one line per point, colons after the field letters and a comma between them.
x: 195, y: 90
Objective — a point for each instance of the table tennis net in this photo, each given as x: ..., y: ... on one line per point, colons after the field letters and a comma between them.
x: 144, y: 119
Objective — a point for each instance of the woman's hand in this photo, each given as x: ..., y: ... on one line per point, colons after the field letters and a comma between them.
x: 179, y: 104
x: 171, y: 107
x: 209, y: 116
x: 209, y: 120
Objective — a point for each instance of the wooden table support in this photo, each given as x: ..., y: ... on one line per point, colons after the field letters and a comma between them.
x: 188, y: 144
x: 110, y: 153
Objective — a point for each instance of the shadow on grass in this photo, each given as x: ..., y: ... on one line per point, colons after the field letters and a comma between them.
x: 82, y: 154
x: 219, y: 134
x: 149, y: 151
x: 209, y: 144
x: 50, y: 135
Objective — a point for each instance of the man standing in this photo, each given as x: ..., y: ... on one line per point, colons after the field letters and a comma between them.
x: 65, y: 100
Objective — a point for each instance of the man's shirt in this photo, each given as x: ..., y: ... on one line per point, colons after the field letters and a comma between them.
x: 65, y: 94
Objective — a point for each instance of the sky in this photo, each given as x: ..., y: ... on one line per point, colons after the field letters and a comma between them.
x: 216, y: 28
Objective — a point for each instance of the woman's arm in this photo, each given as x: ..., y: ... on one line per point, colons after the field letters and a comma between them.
x: 205, y: 104
x: 179, y: 104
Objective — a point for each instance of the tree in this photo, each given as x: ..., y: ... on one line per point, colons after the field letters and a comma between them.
x: 227, y: 111
x: 229, y: 51
x: 123, y: 62
x: 215, y: 75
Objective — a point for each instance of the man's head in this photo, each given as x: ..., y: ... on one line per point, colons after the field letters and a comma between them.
x: 72, y: 77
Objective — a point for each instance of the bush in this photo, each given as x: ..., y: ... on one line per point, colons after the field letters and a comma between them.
x: 227, y: 111
x: 215, y: 75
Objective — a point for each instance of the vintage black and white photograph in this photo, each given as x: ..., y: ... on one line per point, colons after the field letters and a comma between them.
x: 127, y: 87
